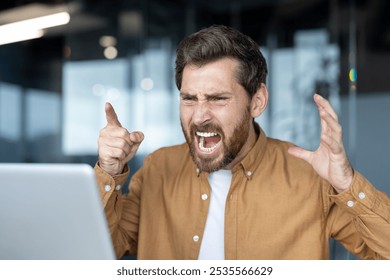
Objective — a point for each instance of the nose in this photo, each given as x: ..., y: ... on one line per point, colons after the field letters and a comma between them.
x: 202, y: 113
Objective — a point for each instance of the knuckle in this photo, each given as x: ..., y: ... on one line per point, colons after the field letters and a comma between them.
x: 122, y: 143
x: 116, y: 153
x: 104, y: 157
x: 111, y: 153
x: 122, y: 154
x: 103, y: 131
x: 105, y: 154
x: 101, y: 144
x: 122, y: 132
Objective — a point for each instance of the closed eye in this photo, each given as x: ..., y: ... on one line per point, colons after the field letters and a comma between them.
x: 188, y: 99
x: 217, y: 98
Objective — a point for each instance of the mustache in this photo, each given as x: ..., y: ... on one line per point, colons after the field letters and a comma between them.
x: 206, y: 128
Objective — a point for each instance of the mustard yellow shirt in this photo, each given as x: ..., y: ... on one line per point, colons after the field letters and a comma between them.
x: 277, y: 208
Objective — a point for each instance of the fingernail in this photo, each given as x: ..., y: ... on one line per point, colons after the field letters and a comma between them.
x: 138, y: 137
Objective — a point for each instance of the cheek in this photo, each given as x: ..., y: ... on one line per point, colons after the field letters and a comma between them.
x: 234, y: 119
x: 185, y: 118
x: 227, y: 121
x: 183, y: 113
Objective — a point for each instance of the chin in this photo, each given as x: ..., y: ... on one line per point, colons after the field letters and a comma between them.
x: 212, y: 164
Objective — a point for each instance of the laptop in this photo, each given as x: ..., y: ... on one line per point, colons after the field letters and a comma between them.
x: 51, y: 211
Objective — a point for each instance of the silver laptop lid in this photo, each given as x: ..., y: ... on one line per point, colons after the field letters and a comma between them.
x: 51, y: 211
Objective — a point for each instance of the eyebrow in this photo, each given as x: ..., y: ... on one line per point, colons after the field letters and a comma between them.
x: 207, y: 95
x: 184, y: 94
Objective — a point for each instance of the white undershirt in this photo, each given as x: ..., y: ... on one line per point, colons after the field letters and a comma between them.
x: 212, y: 247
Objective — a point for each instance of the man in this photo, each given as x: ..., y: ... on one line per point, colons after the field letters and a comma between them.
x: 231, y: 192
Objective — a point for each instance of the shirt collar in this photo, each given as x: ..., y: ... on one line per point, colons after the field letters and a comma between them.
x: 251, y: 161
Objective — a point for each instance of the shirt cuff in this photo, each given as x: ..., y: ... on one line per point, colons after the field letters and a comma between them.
x: 360, y: 198
x: 108, y: 184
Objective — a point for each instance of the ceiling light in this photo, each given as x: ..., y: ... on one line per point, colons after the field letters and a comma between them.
x: 8, y: 38
x: 31, y: 28
x: 107, y: 41
x: 110, y: 53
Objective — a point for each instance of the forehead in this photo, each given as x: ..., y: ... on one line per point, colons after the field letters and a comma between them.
x: 219, y: 75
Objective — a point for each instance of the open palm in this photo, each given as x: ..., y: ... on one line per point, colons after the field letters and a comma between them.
x: 329, y: 160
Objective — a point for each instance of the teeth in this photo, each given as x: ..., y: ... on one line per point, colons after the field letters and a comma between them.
x: 206, y: 134
x: 203, y: 148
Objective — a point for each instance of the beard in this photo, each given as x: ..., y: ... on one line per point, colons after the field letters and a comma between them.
x: 230, y: 146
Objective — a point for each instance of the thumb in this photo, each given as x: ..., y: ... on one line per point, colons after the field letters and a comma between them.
x: 111, y: 117
x: 300, y: 153
x: 136, y: 137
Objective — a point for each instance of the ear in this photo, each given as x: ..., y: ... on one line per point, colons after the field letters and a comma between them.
x: 259, y: 101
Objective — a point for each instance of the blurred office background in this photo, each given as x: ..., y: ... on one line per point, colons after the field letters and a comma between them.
x: 53, y: 87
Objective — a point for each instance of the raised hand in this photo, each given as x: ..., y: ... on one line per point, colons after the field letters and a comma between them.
x: 116, y: 146
x: 329, y: 160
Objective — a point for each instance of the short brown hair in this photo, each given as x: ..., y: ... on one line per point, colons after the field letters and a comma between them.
x: 216, y: 42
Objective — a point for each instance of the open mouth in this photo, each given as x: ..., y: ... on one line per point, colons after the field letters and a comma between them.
x: 208, y: 141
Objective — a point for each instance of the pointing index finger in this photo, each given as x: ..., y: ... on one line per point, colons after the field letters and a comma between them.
x: 111, y: 117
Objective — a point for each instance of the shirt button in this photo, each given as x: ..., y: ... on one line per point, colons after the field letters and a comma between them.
x: 362, y: 195
x: 118, y: 187
x: 195, y: 238
x: 204, y: 196
x: 249, y: 173
x: 107, y: 188
x: 350, y: 203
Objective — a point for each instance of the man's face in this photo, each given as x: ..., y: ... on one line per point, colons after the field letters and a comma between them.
x: 215, y: 115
